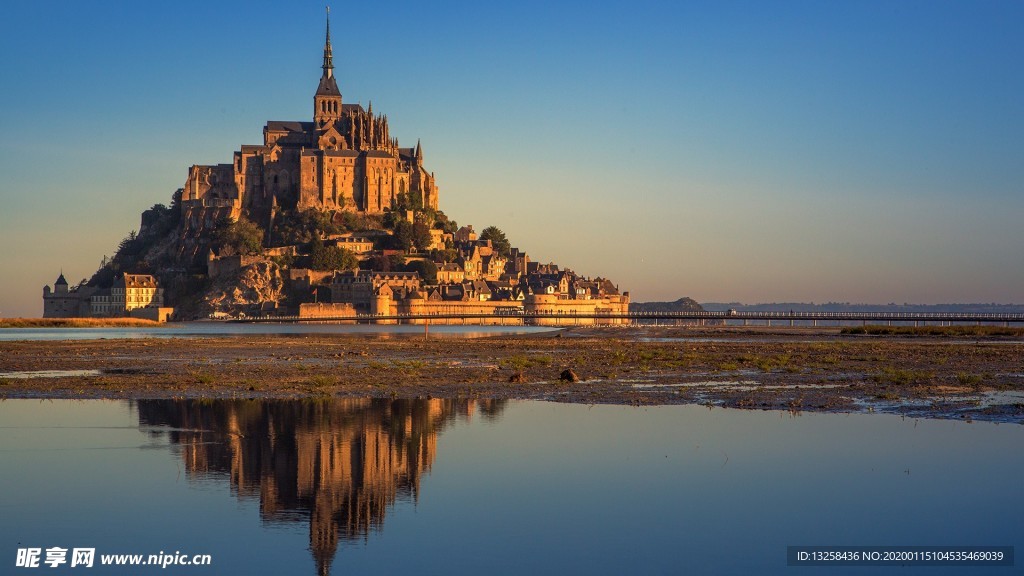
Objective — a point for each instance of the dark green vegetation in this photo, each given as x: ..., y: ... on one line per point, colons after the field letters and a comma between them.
x: 237, y: 237
x: 498, y: 240
x: 330, y: 257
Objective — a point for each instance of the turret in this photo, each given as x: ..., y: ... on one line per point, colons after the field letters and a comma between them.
x: 61, y: 285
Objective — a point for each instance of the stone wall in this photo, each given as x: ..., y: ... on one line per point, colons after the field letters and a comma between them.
x: 321, y: 310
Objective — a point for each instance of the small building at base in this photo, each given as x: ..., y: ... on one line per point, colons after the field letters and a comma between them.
x: 132, y: 295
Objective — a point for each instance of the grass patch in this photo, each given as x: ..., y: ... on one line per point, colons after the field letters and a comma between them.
x: 619, y: 357
x: 522, y: 362
x: 968, y: 379
x: 410, y: 367
x: 77, y: 323
x: 958, y: 330
x: 902, y: 377
x: 321, y: 381
x: 204, y: 378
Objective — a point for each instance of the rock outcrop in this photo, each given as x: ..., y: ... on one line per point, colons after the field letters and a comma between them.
x: 251, y: 286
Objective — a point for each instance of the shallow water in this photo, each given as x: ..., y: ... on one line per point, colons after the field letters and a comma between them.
x: 29, y: 374
x: 502, y: 487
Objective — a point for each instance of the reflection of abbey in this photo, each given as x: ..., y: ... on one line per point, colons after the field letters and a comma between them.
x: 339, y: 465
x: 345, y: 159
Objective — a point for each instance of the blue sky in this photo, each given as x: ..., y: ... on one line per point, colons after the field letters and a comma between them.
x: 753, y: 151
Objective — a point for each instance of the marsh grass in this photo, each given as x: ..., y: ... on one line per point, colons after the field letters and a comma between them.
x: 521, y: 362
x: 902, y: 377
x: 652, y: 358
x: 409, y: 367
x: 77, y: 323
x: 204, y: 378
x: 968, y: 379
x: 321, y: 381
x: 959, y: 330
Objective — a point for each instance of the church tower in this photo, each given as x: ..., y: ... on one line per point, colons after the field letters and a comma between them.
x: 327, y: 101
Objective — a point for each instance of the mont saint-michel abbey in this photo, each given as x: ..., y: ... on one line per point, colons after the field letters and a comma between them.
x: 345, y: 159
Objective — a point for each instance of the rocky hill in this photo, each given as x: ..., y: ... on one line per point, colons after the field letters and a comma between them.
x: 236, y: 267
x: 681, y: 305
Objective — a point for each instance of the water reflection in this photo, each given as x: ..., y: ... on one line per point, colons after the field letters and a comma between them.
x: 337, y: 464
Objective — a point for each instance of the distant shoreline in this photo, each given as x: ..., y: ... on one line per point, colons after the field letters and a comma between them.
x: 78, y: 323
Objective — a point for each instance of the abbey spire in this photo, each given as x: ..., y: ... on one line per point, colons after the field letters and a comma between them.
x: 327, y: 101
x: 328, y: 57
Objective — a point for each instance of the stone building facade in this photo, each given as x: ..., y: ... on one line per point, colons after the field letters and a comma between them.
x: 131, y: 295
x: 131, y: 291
x: 344, y: 159
x: 62, y: 301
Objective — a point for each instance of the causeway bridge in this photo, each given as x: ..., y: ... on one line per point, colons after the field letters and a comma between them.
x: 514, y: 316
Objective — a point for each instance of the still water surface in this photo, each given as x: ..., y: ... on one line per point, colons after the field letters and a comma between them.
x: 495, y: 487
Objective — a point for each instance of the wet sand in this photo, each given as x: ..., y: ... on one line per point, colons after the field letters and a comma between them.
x: 797, y: 370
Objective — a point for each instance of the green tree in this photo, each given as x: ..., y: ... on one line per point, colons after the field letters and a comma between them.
x: 498, y: 240
x: 391, y: 219
x: 294, y: 227
x: 389, y: 263
x: 403, y: 236
x: 237, y: 237
x: 421, y: 236
x: 330, y: 257
x: 425, y: 268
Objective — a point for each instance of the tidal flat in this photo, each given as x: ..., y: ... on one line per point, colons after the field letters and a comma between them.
x: 796, y: 370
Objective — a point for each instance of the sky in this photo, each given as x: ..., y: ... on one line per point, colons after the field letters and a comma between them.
x: 850, y: 151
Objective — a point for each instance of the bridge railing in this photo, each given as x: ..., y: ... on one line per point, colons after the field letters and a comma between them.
x: 716, y: 315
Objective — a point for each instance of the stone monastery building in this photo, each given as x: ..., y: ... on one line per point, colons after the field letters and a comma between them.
x: 345, y: 159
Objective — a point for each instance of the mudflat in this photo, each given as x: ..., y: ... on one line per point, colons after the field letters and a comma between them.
x: 782, y: 369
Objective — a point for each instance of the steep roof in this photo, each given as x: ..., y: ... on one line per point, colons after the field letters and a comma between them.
x: 136, y: 281
x: 289, y: 126
x: 328, y: 87
x: 60, y: 280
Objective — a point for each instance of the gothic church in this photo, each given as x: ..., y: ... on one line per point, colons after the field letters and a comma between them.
x: 345, y: 159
